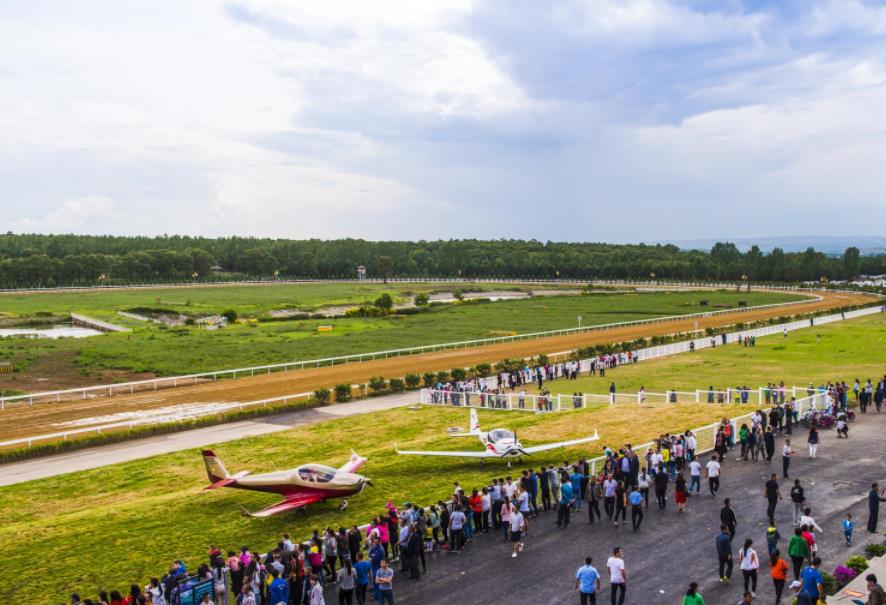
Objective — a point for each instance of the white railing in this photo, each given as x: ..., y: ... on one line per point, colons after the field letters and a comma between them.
x: 526, y: 402
x: 175, y: 381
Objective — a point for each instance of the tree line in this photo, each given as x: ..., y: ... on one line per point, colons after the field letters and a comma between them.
x: 61, y: 260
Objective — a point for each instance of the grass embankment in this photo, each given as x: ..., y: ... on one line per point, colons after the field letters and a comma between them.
x: 124, y: 523
x: 155, y: 349
x: 845, y: 351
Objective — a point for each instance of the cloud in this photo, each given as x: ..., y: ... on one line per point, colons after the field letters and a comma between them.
x: 71, y: 217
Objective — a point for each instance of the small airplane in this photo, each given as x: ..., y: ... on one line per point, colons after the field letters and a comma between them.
x: 497, y: 443
x: 307, y: 484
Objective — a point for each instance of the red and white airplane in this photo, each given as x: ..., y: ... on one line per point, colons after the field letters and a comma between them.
x: 307, y: 484
x: 497, y: 443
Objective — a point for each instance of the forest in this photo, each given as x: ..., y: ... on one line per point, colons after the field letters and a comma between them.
x: 65, y: 260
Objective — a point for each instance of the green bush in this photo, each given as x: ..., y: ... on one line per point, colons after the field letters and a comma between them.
x: 443, y: 376
x: 458, y: 374
x: 482, y: 369
x: 828, y: 582
x: 542, y: 359
x: 857, y: 562
x: 377, y: 384
x: 230, y: 315
x: 421, y: 299
x: 384, y: 302
x: 874, y: 550
x: 458, y: 295
x: 342, y: 392
x: 412, y: 380
x: 396, y: 385
x: 321, y: 395
x: 430, y: 379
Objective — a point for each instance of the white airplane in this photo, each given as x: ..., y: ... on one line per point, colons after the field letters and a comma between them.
x: 497, y: 443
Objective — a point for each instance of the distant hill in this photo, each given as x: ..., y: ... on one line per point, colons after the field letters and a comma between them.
x: 829, y: 244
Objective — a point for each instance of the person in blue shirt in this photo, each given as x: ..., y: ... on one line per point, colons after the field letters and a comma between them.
x: 363, y: 569
x: 848, y: 525
x: 567, y: 495
x: 587, y: 583
x: 376, y: 556
x: 636, y: 500
x: 278, y: 591
x: 576, y: 487
x: 812, y: 584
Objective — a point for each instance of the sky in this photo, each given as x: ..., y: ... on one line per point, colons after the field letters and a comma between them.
x: 624, y: 120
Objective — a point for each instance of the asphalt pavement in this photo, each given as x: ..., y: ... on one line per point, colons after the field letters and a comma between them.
x: 671, y: 549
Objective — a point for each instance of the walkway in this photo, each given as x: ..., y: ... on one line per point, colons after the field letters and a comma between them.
x: 50, y: 466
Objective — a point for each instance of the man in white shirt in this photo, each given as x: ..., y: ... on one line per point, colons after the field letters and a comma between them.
x: 518, y: 527
x: 690, y: 446
x: 712, y: 472
x: 807, y: 520
x: 618, y: 575
x: 510, y: 488
x: 695, y: 475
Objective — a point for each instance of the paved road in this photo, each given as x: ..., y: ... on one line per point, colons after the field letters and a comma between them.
x: 50, y: 466
x: 670, y: 550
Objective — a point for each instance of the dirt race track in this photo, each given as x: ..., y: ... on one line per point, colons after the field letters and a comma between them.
x: 42, y: 418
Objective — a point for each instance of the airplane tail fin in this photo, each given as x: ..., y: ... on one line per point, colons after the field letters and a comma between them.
x: 475, y: 423
x: 214, y: 467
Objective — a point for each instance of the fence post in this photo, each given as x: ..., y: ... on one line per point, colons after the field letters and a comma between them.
x: 697, y: 398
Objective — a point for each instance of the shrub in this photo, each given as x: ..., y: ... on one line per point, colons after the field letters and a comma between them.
x: 458, y: 374
x: 430, y: 379
x: 742, y: 303
x: 230, y: 315
x: 482, y: 369
x: 342, y: 392
x: 458, y: 295
x: 857, y: 562
x: 321, y: 395
x: 384, y: 302
x: 189, y: 321
x: 421, y: 299
x: 412, y: 380
x: 703, y: 303
x: 874, y: 550
x: 396, y: 385
x: 542, y: 359
x: 828, y: 583
x: 844, y: 575
x: 377, y: 384
x: 442, y: 376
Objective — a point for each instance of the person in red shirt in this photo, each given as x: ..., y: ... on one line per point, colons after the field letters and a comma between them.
x: 810, y: 539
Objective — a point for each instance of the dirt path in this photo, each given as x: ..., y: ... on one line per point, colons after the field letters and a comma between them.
x: 41, y: 418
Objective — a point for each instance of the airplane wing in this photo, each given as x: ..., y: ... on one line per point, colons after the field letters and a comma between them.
x: 552, y: 446
x: 484, y: 454
x: 291, y: 503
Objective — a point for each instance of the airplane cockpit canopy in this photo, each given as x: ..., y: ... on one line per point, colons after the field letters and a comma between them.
x: 318, y: 473
x: 499, y: 434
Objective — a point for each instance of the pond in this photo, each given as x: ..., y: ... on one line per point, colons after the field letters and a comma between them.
x: 61, y: 331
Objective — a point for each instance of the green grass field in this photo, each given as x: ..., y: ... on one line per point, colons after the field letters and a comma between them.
x: 156, y: 349
x: 846, y: 351
x: 107, y: 527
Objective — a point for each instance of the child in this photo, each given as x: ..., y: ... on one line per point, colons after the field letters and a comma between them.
x: 772, y: 538
x: 848, y: 525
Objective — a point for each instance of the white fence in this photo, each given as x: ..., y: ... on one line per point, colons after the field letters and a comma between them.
x: 175, y: 381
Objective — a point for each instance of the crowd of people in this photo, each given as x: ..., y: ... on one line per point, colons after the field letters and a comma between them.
x: 359, y: 563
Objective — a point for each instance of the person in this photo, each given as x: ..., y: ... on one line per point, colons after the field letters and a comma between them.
x: 874, y: 500
x: 566, y: 498
x: 621, y: 502
x: 661, y: 487
x: 618, y: 576
x: 746, y: 599
x: 278, y: 591
x: 772, y: 495
x: 769, y: 443
x: 798, y: 551
x: 384, y: 578
x: 413, y: 552
x: 798, y: 498
x: 457, y: 522
x: 723, y: 542
x: 712, y: 472
x: 587, y: 583
x: 154, y: 591
x: 346, y: 579
x: 727, y: 517
x: 361, y: 581
x: 248, y: 598
x: 876, y: 595
x: 692, y: 596
x: 518, y: 527
x: 636, y: 501
x: 847, y: 526
x: 812, y: 440
x: 778, y: 571
x: 594, y: 493
x: 812, y: 584
x: 786, y: 453
x: 695, y: 475
x: 749, y: 564
x: 680, y: 492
